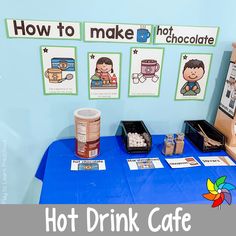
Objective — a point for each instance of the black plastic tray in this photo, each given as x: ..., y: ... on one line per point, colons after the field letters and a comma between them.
x: 192, y: 132
x: 134, y: 127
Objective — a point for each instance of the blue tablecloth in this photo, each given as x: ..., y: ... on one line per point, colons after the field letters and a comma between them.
x: 117, y: 184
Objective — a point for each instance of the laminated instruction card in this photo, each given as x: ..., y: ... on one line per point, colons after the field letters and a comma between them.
x: 185, y: 162
x: 145, y: 71
x: 104, y: 75
x: 217, y: 161
x: 59, y: 70
x: 144, y: 163
x: 77, y: 165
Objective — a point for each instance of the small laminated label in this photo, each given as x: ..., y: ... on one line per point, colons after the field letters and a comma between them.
x: 144, y: 163
x: 93, y: 153
x: 87, y: 165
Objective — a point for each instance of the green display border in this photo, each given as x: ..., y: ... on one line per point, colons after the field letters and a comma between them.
x: 119, y: 76
x: 185, y: 44
x: 202, y: 99
x: 76, y: 70
x: 91, y: 41
x: 78, y: 39
x: 159, y: 87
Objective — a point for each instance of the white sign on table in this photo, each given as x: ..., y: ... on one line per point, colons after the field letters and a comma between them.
x: 144, y: 163
x: 217, y: 161
x: 185, y: 162
x: 87, y: 165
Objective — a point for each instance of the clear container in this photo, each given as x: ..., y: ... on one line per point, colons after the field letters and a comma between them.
x: 169, y: 146
x: 179, y: 143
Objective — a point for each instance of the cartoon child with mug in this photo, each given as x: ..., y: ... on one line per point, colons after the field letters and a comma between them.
x: 104, y: 67
x: 193, y: 71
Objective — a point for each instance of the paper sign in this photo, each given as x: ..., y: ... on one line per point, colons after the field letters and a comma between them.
x: 217, y: 161
x: 227, y: 103
x: 59, y: 70
x: 185, y: 162
x: 88, y: 165
x: 43, y: 29
x: 145, y: 71
x: 104, y: 75
x: 144, y: 163
x: 192, y: 35
x: 193, y: 75
x: 115, y: 32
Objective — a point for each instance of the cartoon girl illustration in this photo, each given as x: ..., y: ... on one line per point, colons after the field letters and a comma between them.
x: 103, y: 71
x: 104, y: 67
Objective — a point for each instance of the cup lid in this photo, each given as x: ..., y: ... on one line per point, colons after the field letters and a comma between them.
x: 87, y: 113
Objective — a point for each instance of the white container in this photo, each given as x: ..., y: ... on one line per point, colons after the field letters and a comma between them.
x: 87, y: 132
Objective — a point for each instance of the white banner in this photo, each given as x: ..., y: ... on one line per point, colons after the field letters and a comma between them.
x: 120, y: 33
x: 43, y: 29
x: 192, y: 35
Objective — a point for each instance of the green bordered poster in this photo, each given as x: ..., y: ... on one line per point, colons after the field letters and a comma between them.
x: 193, y: 75
x: 145, y: 71
x: 104, y: 72
x: 59, y: 70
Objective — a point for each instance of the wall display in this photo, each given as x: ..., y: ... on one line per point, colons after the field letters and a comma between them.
x: 104, y: 70
x: 59, y: 70
x: 193, y: 75
x: 217, y: 161
x: 88, y: 165
x: 144, y: 163
x: 116, y: 32
x: 227, y: 103
x: 145, y: 71
x: 43, y: 29
x: 185, y: 162
x: 190, y: 35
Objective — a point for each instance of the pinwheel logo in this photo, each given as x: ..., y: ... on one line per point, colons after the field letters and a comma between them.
x: 219, y: 191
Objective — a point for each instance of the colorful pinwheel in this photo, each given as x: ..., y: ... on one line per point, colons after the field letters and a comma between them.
x: 219, y: 192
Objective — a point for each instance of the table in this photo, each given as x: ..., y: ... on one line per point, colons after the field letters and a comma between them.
x: 117, y: 184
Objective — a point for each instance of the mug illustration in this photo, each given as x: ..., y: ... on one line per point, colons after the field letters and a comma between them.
x: 143, y: 35
x: 54, y: 75
x: 149, y: 68
x: 61, y: 70
x: 104, y: 77
x: 193, y: 71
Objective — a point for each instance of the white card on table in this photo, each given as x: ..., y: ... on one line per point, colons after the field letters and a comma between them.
x: 217, y: 161
x: 185, y: 162
x: 144, y: 163
x: 88, y: 165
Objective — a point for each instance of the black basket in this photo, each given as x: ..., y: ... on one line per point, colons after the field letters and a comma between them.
x: 192, y: 132
x: 134, y: 127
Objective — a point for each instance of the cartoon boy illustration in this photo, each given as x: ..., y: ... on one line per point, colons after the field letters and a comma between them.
x: 193, y: 71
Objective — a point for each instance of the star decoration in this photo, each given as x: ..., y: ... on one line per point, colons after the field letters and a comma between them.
x: 135, y: 51
x: 45, y: 50
x: 185, y: 57
x: 92, y: 56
